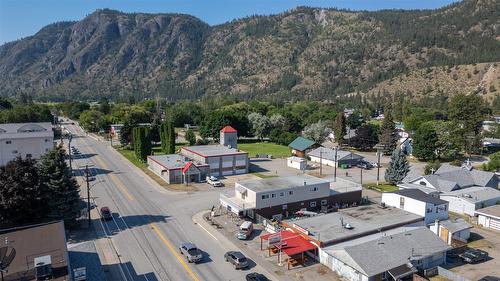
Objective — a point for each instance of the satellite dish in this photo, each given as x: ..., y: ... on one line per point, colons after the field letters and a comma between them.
x: 7, y: 255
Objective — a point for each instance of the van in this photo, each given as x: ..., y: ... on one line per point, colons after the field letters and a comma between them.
x: 246, y: 229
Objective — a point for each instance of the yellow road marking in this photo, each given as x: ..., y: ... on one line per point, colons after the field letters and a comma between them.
x: 115, y: 179
x: 174, y: 252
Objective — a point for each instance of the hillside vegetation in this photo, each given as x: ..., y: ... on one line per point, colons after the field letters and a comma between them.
x: 304, y: 53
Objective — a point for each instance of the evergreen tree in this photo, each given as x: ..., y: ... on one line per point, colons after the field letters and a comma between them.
x: 142, y: 142
x: 398, y: 167
x: 125, y: 133
x: 340, y: 127
x: 190, y: 137
x: 20, y: 193
x: 387, y: 136
x: 167, y: 137
x: 60, y: 188
x: 425, y: 142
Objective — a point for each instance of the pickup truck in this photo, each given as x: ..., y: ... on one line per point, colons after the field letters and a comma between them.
x: 213, y: 181
x: 474, y: 256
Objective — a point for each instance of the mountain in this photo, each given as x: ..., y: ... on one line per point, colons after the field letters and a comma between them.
x: 304, y: 53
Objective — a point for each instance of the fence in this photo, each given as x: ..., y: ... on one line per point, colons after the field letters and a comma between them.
x: 450, y: 275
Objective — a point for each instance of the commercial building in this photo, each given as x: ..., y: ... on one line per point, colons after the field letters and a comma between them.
x: 25, y: 140
x: 177, y: 168
x: 489, y: 217
x: 40, y: 252
x: 326, y: 156
x: 301, y: 146
x: 284, y: 196
x: 467, y: 201
x: 417, y: 202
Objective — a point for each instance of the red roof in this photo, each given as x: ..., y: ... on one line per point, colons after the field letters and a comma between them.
x: 293, y: 243
x: 187, y: 166
x: 228, y: 129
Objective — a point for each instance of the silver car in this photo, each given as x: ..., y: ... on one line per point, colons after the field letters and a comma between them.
x: 237, y: 259
x: 191, y: 252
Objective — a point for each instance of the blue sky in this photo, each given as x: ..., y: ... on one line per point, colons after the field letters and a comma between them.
x: 21, y: 18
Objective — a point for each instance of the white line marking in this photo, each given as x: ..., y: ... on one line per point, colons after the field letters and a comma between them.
x: 208, y: 232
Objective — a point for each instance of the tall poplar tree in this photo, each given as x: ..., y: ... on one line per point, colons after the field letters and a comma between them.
x: 167, y: 136
x: 340, y: 127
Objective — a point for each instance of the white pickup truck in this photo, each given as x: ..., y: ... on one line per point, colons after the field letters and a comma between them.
x: 213, y: 181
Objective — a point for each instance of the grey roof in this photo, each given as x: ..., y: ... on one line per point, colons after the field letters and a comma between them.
x: 277, y: 183
x: 420, y: 187
x: 474, y: 194
x: 448, y: 178
x: 493, y: 211
x: 365, y: 220
x: 388, y: 252
x: 213, y: 150
x: 420, y: 196
x: 455, y: 225
x: 174, y: 161
x: 26, y: 130
x: 329, y: 154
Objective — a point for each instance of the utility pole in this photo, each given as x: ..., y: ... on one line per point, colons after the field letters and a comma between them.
x: 335, y: 166
x: 320, y: 161
x: 70, y: 137
x: 361, y: 176
x: 88, y: 192
x: 378, y: 166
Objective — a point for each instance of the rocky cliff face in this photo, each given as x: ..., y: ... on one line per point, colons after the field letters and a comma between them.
x: 303, y: 53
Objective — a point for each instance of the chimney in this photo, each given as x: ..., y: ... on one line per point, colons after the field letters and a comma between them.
x: 436, y: 224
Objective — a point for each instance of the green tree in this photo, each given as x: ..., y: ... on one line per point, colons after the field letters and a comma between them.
x: 354, y: 120
x: 425, y: 142
x: 431, y: 167
x: 60, y: 187
x: 125, y: 133
x: 21, y: 198
x: 387, y: 135
x: 366, y: 137
x: 340, y: 127
x: 317, y: 131
x: 92, y: 120
x: 494, y: 164
x: 142, y: 142
x: 398, y: 167
x: 167, y: 137
x: 260, y: 124
x: 190, y: 137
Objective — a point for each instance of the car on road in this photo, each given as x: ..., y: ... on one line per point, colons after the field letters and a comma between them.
x: 213, y: 181
x: 237, y: 259
x: 473, y: 256
x: 106, y: 213
x: 191, y: 252
x: 256, y: 277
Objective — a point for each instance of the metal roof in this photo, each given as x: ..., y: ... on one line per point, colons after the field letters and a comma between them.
x: 26, y: 130
x: 455, y: 225
x: 212, y: 150
x: 474, y: 194
x: 329, y: 154
x: 420, y: 196
x: 301, y: 143
x: 491, y: 211
x: 277, y: 183
x: 174, y: 161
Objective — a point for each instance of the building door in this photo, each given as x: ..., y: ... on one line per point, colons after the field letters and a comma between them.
x: 495, y: 224
x: 444, y: 234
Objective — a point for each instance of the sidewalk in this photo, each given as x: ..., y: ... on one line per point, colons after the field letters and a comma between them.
x: 251, y: 248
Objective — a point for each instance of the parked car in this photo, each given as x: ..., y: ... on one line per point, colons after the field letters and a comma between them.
x: 256, y: 277
x: 375, y: 165
x: 245, y: 231
x: 473, y: 256
x: 237, y: 259
x: 213, y: 181
x: 191, y: 252
x: 106, y: 214
x: 364, y: 165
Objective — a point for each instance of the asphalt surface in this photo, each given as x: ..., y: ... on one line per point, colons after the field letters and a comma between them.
x: 149, y: 222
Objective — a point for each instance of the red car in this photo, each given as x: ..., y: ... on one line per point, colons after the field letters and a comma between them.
x: 106, y: 214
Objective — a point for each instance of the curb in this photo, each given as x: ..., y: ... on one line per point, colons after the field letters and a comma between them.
x: 228, y: 244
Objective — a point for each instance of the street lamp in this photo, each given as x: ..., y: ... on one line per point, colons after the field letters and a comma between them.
x: 87, y: 173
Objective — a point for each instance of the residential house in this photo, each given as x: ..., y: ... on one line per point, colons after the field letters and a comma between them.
x: 417, y: 202
x: 453, y: 232
x: 40, y: 252
x: 489, y: 217
x: 283, y: 196
x: 466, y: 201
x: 301, y: 146
x: 25, y: 139
x: 327, y: 156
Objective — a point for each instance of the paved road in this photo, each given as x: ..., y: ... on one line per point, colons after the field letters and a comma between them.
x: 150, y: 222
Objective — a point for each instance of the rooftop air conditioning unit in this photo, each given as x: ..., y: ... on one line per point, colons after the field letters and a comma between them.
x: 43, y: 268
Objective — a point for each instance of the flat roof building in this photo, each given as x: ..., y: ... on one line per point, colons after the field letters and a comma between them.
x: 326, y: 156
x: 468, y: 200
x: 177, y: 168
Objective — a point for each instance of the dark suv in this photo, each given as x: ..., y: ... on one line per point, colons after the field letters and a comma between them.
x: 106, y: 214
x: 256, y: 277
x: 237, y: 259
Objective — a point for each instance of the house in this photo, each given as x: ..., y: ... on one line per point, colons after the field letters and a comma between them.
x: 392, y: 255
x: 177, y: 168
x: 300, y: 146
x: 449, y: 178
x: 25, y: 140
x: 39, y: 248
x: 283, y: 196
x: 489, y: 217
x: 468, y: 200
x: 406, y: 145
x: 326, y: 156
x: 296, y: 163
x: 417, y: 202
x: 452, y: 232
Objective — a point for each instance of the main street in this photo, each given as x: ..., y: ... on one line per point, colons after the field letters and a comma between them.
x: 149, y: 222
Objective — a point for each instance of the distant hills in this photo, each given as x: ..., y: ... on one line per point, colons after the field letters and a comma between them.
x: 304, y: 53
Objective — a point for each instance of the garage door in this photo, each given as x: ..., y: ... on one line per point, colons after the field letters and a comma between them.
x: 495, y: 224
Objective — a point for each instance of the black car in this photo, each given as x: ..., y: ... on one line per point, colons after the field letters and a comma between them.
x: 256, y: 277
x: 473, y: 256
x: 364, y: 165
x: 106, y: 214
x: 489, y: 278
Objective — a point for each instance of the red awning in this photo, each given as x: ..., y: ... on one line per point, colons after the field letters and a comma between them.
x: 292, y: 243
x: 187, y: 166
x: 228, y: 129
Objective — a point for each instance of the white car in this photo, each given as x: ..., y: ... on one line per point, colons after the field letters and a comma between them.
x: 213, y: 181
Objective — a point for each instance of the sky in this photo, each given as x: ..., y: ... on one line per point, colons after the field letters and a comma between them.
x: 21, y: 18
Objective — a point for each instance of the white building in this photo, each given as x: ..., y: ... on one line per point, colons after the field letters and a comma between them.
x: 417, y: 202
x: 489, y: 217
x: 452, y: 231
x: 296, y: 163
x: 25, y: 140
x: 326, y: 156
x: 467, y: 201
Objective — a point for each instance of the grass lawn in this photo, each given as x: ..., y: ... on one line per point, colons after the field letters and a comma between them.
x: 382, y: 187
x: 276, y: 150
x: 157, y: 149
x: 130, y: 155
